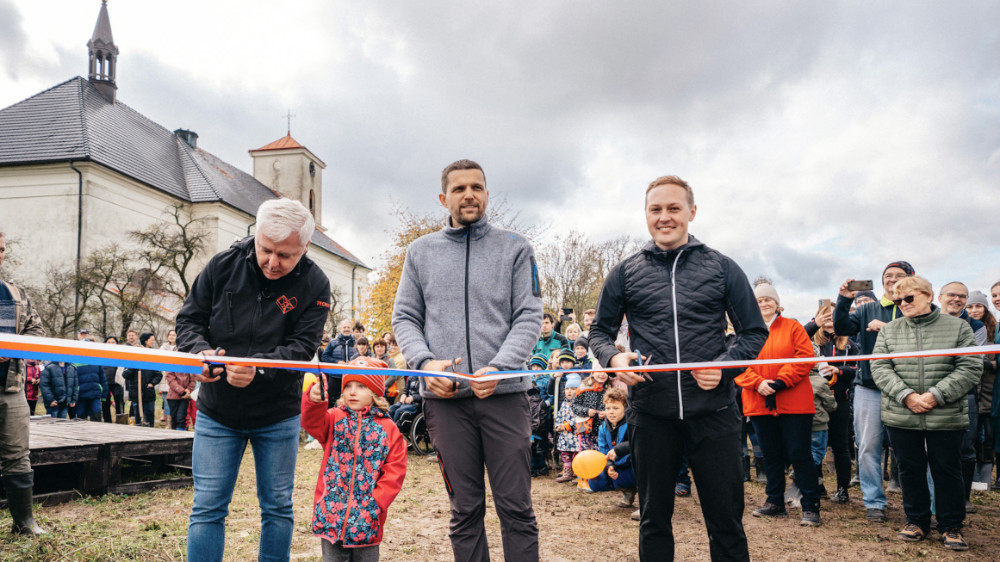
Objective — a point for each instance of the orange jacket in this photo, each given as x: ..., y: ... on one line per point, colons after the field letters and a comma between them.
x: 787, y: 339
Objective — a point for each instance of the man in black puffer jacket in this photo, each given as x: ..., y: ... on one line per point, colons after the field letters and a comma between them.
x: 676, y: 293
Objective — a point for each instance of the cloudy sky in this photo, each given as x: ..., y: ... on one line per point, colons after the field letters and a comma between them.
x: 823, y: 140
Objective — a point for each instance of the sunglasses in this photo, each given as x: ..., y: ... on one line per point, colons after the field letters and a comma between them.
x: 907, y: 299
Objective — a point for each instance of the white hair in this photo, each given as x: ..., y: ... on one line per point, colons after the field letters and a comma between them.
x: 277, y: 219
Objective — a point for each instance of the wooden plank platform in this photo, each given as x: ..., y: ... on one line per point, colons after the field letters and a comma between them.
x: 79, y: 457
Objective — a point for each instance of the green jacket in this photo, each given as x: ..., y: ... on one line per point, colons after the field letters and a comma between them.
x: 28, y: 324
x: 824, y: 401
x: 948, y: 378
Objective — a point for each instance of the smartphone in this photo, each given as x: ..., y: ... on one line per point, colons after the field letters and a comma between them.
x: 865, y: 285
x: 824, y: 302
x: 567, y: 311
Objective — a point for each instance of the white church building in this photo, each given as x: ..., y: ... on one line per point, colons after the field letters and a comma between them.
x: 79, y: 169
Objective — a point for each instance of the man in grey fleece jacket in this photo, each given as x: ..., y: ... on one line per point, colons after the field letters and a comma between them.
x: 469, y: 298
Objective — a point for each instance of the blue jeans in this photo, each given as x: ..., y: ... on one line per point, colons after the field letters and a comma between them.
x: 819, y: 440
x: 216, y: 457
x: 868, y: 434
x: 60, y: 410
x: 90, y: 408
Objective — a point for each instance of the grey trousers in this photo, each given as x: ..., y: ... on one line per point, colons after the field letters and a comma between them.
x: 14, y: 433
x: 469, y: 433
x: 337, y: 553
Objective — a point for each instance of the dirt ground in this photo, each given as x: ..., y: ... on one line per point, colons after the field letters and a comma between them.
x: 574, y: 526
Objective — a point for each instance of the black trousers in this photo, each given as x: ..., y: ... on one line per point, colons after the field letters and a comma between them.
x: 787, y: 439
x: 178, y: 413
x: 941, y: 451
x: 840, y: 442
x: 712, y: 445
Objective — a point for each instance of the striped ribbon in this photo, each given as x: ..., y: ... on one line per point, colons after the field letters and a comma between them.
x: 68, y: 351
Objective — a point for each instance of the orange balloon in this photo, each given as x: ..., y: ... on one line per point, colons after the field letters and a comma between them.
x: 589, y: 464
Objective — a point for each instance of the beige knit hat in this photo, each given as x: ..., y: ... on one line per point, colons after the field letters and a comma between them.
x: 763, y: 288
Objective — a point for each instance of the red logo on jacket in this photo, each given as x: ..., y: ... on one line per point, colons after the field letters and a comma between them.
x: 286, y: 304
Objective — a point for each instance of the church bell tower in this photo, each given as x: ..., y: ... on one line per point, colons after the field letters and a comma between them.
x: 103, y: 55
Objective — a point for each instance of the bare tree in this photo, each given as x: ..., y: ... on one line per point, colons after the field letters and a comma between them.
x: 175, y: 243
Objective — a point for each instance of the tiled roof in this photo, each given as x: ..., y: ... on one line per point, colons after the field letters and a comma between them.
x: 73, y: 121
x: 282, y: 143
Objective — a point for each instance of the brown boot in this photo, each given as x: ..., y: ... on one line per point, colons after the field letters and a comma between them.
x: 567, y: 474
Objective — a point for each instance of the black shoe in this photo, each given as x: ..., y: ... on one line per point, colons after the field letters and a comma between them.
x: 810, y: 519
x: 875, y: 515
x: 841, y: 496
x: 770, y: 510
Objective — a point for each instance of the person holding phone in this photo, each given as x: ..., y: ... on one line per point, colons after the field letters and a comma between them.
x: 864, y: 325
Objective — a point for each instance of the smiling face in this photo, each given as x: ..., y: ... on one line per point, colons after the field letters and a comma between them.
x: 573, y: 332
x: 465, y: 196
x: 278, y: 259
x: 614, y: 411
x: 976, y: 311
x: 600, y: 377
x: 921, y: 304
x: 891, y: 277
x: 668, y: 214
x: 995, y: 294
x: 357, y: 396
x: 768, y: 308
x: 953, y: 298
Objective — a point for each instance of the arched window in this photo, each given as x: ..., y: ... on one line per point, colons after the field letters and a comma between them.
x: 312, y: 200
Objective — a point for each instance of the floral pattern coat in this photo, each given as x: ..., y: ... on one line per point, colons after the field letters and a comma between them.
x: 364, y: 463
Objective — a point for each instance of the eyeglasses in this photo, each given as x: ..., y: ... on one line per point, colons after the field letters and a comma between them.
x: 958, y: 295
x: 890, y: 276
x: 907, y: 299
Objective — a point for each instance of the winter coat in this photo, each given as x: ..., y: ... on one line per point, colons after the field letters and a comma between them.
x: 545, y: 346
x: 610, y: 437
x: 855, y: 326
x: 27, y: 323
x: 984, y: 394
x: 589, y: 398
x: 33, y: 377
x: 178, y: 383
x: 787, y: 339
x: 364, y: 463
x: 565, y: 424
x: 233, y: 306
x: 91, y: 382
x: 132, y: 376
x: 339, y: 350
x: 847, y: 372
x: 949, y: 379
x: 676, y: 303
x: 824, y: 401
x: 58, y: 384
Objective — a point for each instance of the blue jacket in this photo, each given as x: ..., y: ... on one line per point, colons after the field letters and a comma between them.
x: 339, y: 350
x: 855, y: 325
x: 58, y: 384
x: 615, y: 438
x: 91, y: 382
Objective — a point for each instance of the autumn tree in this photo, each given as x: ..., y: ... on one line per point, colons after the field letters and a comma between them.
x: 175, y: 243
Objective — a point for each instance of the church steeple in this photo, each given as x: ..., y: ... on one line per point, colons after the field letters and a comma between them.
x: 103, y: 55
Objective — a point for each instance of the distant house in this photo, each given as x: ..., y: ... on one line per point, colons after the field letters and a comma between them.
x: 79, y: 170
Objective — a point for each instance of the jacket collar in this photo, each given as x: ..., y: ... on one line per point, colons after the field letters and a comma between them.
x: 651, y: 249
x: 477, y: 229
x: 934, y: 314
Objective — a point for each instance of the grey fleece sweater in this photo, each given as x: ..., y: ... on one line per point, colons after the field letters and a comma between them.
x: 471, y: 293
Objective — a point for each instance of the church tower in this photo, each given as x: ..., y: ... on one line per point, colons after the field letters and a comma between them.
x: 292, y: 171
x: 103, y: 55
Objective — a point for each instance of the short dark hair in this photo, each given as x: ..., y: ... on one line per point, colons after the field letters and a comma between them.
x: 144, y: 337
x: 362, y: 341
x: 549, y: 317
x: 379, y: 341
x: 463, y: 164
x: 359, y: 326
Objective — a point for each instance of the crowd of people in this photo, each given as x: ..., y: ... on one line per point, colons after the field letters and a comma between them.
x: 929, y: 425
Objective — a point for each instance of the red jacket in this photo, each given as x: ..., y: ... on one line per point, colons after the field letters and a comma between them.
x: 364, y: 463
x: 177, y: 383
x: 787, y: 339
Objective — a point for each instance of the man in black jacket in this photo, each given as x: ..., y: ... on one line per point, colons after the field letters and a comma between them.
x: 676, y: 292
x: 260, y: 298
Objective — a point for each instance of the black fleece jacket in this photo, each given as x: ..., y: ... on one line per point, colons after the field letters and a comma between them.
x: 233, y: 306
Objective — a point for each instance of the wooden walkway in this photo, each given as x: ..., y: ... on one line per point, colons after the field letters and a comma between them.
x: 74, y: 457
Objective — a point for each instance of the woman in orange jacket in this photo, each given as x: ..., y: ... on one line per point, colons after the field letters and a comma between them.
x: 779, y: 401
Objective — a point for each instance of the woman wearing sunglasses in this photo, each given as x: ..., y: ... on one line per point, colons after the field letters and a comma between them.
x: 925, y: 410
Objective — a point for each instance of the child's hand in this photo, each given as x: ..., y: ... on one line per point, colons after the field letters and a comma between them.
x: 612, y: 455
x: 612, y: 473
x: 601, y: 414
x: 592, y: 412
x: 314, y: 393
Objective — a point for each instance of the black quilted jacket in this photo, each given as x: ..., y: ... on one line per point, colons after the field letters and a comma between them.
x: 676, y: 303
